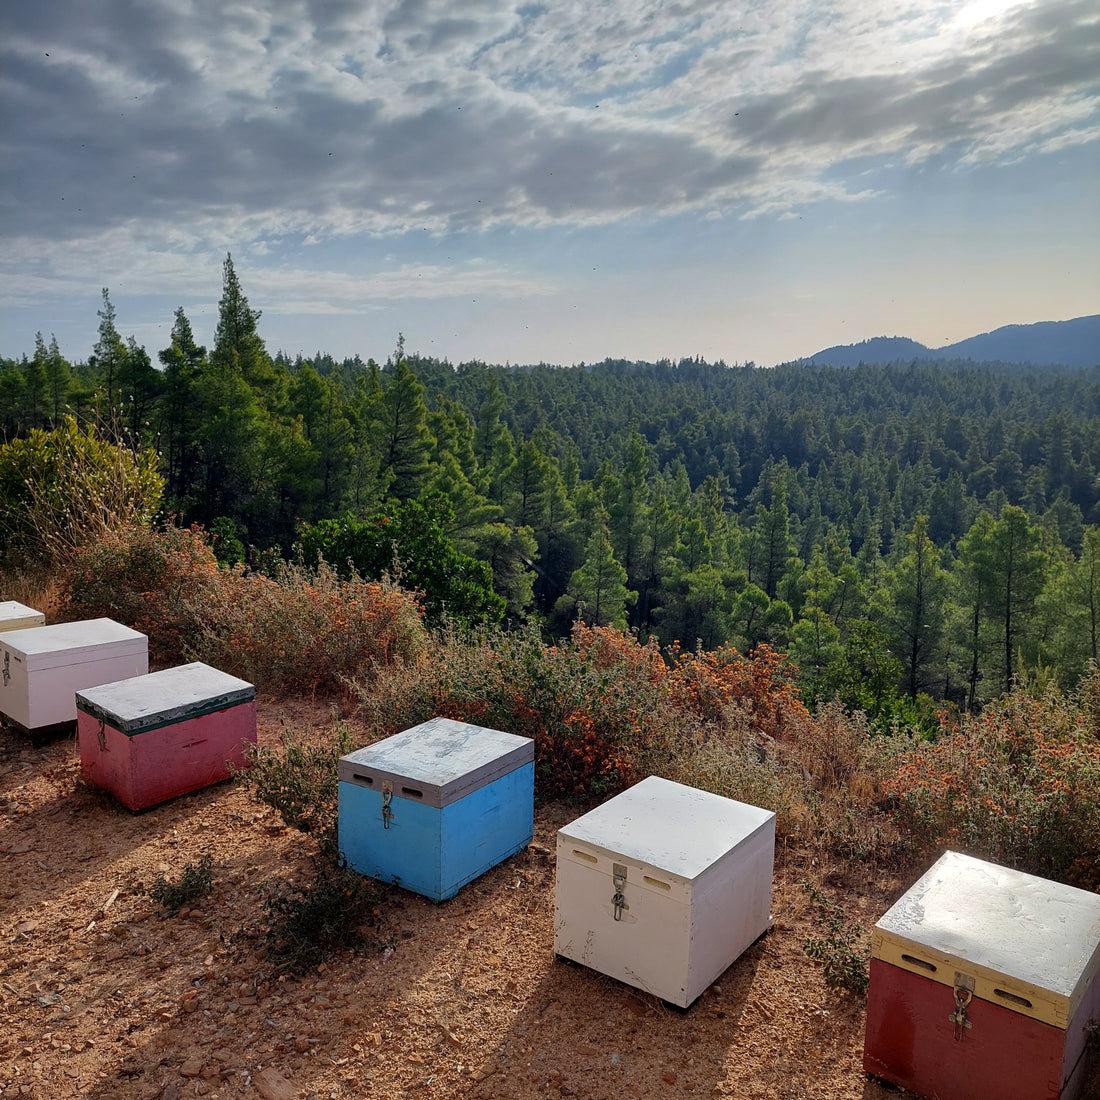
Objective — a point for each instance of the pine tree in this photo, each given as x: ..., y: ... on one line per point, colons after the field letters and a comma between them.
x: 108, y: 358
x: 597, y: 590
x: 405, y: 441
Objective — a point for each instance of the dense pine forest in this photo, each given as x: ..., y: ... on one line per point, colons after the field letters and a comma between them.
x: 908, y: 533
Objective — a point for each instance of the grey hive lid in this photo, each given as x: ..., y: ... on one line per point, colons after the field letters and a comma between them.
x: 1044, y: 934
x: 12, y: 609
x: 50, y: 646
x: 441, y: 760
x: 669, y: 826
x: 164, y: 698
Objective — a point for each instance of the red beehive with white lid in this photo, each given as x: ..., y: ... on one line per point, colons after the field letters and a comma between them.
x: 983, y: 984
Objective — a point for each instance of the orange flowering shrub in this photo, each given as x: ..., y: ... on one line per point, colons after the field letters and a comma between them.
x: 1019, y: 784
x: 152, y: 581
x: 298, y: 631
x: 305, y: 631
x: 708, y: 682
x: 595, y: 706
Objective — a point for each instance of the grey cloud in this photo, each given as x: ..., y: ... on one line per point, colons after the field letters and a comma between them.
x: 177, y: 135
x: 954, y: 100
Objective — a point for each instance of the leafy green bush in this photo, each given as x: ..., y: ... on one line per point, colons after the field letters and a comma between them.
x: 196, y: 881
x: 63, y: 489
x: 844, y: 961
x: 308, y: 923
x: 409, y: 542
x: 301, y: 782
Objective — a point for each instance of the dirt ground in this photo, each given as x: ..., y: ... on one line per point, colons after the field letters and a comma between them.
x: 103, y: 995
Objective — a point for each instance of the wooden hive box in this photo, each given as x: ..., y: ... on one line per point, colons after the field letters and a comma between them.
x: 983, y: 983
x: 157, y: 736
x: 436, y: 806
x: 17, y: 616
x: 664, y: 886
x: 43, y: 667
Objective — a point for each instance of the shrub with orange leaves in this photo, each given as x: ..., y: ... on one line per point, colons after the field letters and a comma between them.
x: 709, y: 682
x: 595, y: 706
x: 1018, y: 784
x: 153, y: 581
x: 295, y: 631
x: 306, y: 631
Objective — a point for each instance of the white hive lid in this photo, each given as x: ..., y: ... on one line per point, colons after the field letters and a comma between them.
x: 443, y: 759
x: 11, y: 611
x: 49, y: 646
x: 669, y: 826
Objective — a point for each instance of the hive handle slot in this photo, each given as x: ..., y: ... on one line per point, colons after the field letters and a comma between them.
x: 366, y: 780
x: 588, y: 857
x: 412, y: 792
x: 656, y: 882
x: 1023, y: 1002
x: 924, y: 964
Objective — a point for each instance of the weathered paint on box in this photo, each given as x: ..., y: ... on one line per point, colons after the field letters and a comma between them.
x: 1024, y: 955
x: 17, y: 616
x: 664, y: 886
x: 42, y: 668
x: 164, y: 734
x: 436, y: 806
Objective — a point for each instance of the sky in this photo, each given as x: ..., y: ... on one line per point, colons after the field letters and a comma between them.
x: 551, y: 181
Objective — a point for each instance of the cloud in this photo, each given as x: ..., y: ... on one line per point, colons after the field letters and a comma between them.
x: 142, y: 141
x: 358, y: 118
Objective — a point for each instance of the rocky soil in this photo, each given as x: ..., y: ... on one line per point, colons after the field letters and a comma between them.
x: 104, y: 995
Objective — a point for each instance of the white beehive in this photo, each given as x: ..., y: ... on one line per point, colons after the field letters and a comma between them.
x: 664, y: 886
x: 18, y: 616
x: 43, y: 667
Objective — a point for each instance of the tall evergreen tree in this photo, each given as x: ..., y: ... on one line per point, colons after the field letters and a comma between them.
x: 108, y: 359
x: 58, y: 377
x: 405, y: 441
x: 597, y: 591
x: 916, y: 590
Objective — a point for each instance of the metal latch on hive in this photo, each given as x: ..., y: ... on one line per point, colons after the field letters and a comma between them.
x: 387, y: 812
x: 964, y: 991
x: 618, y: 899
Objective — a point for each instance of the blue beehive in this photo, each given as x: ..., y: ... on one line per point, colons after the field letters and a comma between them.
x: 434, y: 807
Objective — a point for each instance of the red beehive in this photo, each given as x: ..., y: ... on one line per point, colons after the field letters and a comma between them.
x: 984, y: 985
x: 154, y: 737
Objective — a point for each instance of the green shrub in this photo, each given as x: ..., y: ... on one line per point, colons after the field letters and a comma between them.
x: 63, y: 489
x: 300, y: 781
x: 308, y: 923
x: 837, y: 948
x: 196, y: 881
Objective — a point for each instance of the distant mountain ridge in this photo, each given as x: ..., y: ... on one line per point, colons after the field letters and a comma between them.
x: 1074, y: 343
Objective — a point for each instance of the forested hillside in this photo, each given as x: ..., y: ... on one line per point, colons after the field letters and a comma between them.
x: 906, y: 533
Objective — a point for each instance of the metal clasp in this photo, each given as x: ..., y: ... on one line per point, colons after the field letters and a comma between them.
x: 387, y: 812
x: 102, y: 735
x: 618, y: 900
x: 7, y: 667
x: 964, y: 991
